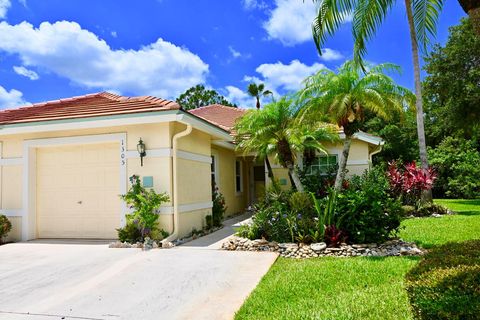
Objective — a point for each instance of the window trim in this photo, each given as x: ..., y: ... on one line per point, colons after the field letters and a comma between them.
x: 215, y: 170
x: 337, y: 156
x: 238, y: 174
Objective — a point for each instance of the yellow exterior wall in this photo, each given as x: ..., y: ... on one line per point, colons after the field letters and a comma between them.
x: 235, y: 202
x: 194, y: 179
x: 155, y: 136
x: 358, y: 160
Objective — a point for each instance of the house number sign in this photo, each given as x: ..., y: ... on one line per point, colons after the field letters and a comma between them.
x: 123, y: 155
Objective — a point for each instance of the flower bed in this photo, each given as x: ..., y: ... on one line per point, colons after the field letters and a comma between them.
x: 298, y: 251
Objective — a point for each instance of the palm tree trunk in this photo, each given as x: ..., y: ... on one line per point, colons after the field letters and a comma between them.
x: 295, y: 177
x: 342, y: 166
x: 269, y: 169
x: 258, y: 102
x: 418, y: 93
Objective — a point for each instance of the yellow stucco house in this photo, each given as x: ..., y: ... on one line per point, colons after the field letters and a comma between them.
x: 64, y: 163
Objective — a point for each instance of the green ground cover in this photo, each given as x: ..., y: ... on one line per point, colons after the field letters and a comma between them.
x: 356, y: 288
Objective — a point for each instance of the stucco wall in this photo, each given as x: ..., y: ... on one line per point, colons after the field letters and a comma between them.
x: 235, y: 201
x: 155, y: 136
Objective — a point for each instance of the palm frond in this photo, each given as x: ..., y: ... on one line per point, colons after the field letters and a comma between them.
x: 367, y: 17
x: 425, y: 19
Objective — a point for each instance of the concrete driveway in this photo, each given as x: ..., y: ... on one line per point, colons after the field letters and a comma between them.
x: 90, y: 281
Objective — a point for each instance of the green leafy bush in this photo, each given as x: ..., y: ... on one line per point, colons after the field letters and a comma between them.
x: 143, y: 221
x: 446, y: 283
x: 370, y: 214
x: 218, y: 209
x: 5, y: 227
x: 457, y: 163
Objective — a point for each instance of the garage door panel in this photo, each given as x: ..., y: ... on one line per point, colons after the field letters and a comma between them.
x: 77, y: 191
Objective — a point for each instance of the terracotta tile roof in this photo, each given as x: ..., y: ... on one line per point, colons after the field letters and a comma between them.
x: 90, y: 105
x: 219, y: 115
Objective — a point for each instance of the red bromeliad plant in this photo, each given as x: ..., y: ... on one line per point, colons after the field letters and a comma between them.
x: 410, y: 181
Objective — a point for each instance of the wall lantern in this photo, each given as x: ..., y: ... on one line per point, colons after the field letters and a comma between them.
x: 141, y: 150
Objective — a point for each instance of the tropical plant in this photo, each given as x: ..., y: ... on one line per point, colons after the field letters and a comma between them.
x: 258, y: 91
x: 472, y: 8
x: 409, y: 182
x: 5, y: 227
x: 199, y: 96
x: 370, y: 214
x: 368, y: 15
x: 143, y: 221
x: 275, y: 130
x: 457, y: 163
x: 328, y: 220
x: 344, y: 96
x: 219, y: 208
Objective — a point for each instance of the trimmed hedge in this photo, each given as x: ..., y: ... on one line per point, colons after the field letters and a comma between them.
x: 446, y: 283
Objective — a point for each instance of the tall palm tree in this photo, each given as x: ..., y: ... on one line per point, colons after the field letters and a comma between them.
x: 258, y: 91
x: 275, y: 131
x: 368, y: 15
x: 472, y: 8
x: 345, y: 95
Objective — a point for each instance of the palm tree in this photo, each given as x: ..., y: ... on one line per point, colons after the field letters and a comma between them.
x: 344, y: 96
x: 472, y: 8
x: 258, y: 91
x: 275, y: 131
x: 422, y: 17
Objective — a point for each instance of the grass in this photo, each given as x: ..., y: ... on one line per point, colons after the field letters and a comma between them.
x: 429, y: 232
x: 355, y: 288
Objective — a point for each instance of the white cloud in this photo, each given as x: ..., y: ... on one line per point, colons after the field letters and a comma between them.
x: 331, y: 55
x: 290, y: 21
x: 32, y: 75
x: 64, y: 48
x: 286, y: 77
x: 239, y: 97
x: 4, y: 6
x: 235, y: 53
x: 114, y: 34
x: 254, y: 4
x: 12, y: 98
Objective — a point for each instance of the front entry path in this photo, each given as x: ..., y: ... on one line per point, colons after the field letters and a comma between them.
x: 61, y: 280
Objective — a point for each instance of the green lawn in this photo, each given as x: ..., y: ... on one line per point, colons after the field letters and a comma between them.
x: 355, y: 288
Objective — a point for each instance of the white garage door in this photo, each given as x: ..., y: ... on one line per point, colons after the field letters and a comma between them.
x: 77, y: 191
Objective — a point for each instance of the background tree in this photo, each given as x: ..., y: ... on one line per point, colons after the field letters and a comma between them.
x: 275, y: 131
x: 199, y: 96
x: 368, y: 15
x: 258, y: 91
x: 347, y: 94
x: 472, y: 8
x: 452, y: 86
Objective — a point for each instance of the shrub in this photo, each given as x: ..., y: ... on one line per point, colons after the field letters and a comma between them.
x: 457, y: 162
x: 445, y: 284
x: 369, y: 213
x: 409, y: 182
x: 143, y: 221
x: 5, y: 227
x: 218, y: 209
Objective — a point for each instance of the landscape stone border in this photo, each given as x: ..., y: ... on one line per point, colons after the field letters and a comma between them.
x: 395, y: 247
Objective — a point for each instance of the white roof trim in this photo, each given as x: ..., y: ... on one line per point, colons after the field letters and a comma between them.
x: 362, y: 136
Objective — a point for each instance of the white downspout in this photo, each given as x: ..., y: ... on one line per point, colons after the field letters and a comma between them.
x: 380, y: 146
x: 176, y: 219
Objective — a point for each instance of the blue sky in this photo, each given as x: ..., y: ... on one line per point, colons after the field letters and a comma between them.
x: 51, y: 49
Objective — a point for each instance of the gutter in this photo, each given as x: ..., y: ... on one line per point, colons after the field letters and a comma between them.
x: 176, y: 217
x: 378, y: 150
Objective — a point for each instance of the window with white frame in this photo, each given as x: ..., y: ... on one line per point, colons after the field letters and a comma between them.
x: 322, y: 165
x: 238, y: 176
x: 213, y: 172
